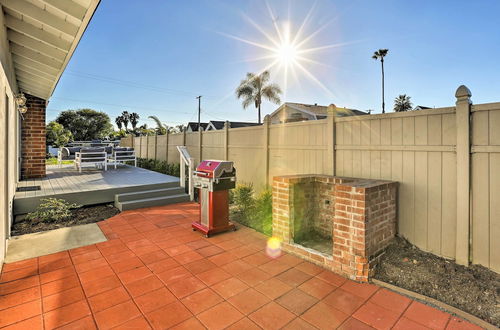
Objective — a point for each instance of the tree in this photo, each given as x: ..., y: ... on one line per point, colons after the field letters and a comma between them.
x: 380, y: 54
x: 255, y: 87
x: 134, y: 119
x: 57, y: 135
x: 86, y: 124
x: 160, y: 128
x: 143, y: 130
x: 177, y: 129
x: 125, y: 119
x: 119, y: 122
x: 402, y: 103
x: 116, y: 135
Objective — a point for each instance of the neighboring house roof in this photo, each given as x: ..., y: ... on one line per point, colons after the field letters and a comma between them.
x: 421, y: 107
x: 219, y: 124
x: 194, y: 126
x: 313, y: 109
x: 319, y: 111
x: 43, y: 36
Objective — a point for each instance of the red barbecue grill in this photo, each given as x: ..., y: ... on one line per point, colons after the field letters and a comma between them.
x: 214, y: 178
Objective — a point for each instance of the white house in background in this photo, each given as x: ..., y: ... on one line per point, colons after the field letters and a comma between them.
x: 193, y: 126
x: 421, y: 107
x: 292, y: 112
x: 215, y: 125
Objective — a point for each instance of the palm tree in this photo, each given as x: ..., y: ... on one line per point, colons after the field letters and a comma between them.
x: 134, y: 119
x: 255, y: 87
x: 179, y: 128
x: 160, y: 128
x: 125, y: 119
x: 380, y: 54
x: 119, y: 122
x: 402, y: 103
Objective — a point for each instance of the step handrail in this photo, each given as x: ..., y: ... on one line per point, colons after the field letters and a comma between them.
x: 186, y: 160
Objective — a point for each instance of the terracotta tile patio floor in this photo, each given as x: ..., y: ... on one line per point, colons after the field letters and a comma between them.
x: 155, y: 272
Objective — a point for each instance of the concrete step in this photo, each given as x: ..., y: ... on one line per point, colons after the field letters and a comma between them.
x: 153, y: 201
x: 152, y: 193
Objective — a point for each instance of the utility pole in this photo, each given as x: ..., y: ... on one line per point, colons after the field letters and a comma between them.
x: 199, y: 128
x: 199, y: 110
x: 383, y: 85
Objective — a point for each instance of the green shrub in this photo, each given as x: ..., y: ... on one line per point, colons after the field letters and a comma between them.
x: 255, y: 212
x: 52, y: 210
x: 243, y: 197
x: 159, y: 166
x: 174, y: 169
x: 264, y: 211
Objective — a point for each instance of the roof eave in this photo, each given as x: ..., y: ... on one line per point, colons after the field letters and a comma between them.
x: 83, y: 27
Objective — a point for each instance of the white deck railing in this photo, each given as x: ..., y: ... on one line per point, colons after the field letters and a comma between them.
x: 186, y: 160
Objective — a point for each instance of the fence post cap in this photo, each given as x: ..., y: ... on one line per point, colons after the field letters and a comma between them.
x: 332, y: 109
x: 462, y: 92
x: 227, y: 124
x: 267, y: 119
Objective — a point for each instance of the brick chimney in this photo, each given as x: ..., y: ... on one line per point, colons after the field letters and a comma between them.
x: 33, y: 144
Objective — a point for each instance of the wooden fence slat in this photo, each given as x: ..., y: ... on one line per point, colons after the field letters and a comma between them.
x: 449, y: 199
x: 480, y: 208
x: 494, y: 221
x: 420, y: 200
x: 434, y: 202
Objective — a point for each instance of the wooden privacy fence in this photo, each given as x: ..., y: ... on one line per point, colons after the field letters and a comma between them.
x: 259, y: 152
x: 447, y: 161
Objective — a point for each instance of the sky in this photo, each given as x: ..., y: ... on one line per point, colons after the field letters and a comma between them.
x: 154, y: 57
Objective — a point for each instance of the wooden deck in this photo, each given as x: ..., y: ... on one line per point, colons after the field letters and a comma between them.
x: 92, y: 186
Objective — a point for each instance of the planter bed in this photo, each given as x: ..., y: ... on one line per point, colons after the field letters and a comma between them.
x: 474, y: 289
x: 80, y: 216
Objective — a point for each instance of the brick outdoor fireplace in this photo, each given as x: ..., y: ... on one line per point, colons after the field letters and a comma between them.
x: 342, y: 224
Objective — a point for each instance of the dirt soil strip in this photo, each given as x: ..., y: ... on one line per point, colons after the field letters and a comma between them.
x: 80, y: 216
x: 474, y: 289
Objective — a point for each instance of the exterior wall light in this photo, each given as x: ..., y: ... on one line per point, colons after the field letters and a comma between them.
x: 21, y: 104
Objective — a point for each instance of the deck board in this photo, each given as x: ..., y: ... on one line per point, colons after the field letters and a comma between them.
x: 89, y: 187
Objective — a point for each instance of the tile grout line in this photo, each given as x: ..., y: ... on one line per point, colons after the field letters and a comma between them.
x: 131, y: 297
x: 224, y: 300
x: 41, y: 293
x: 123, y: 284
x: 40, y: 284
x: 234, y: 276
x: 81, y: 286
x: 404, y: 311
x: 165, y: 285
x: 363, y: 304
x: 194, y: 275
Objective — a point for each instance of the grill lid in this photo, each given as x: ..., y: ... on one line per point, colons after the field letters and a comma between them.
x: 216, y: 168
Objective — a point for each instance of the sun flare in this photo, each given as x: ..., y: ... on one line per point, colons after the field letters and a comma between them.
x: 286, y: 52
x: 288, y: 49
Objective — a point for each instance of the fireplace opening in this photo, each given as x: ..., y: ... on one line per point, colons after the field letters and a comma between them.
x: 312, y: 220
x: 316, y: 241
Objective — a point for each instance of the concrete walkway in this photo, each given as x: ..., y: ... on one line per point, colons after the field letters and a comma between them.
x: 154, y: 272
x: 47, y: 242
